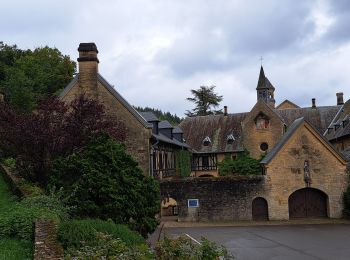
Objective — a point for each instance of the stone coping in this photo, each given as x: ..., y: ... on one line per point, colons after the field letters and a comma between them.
x: 248, y: 223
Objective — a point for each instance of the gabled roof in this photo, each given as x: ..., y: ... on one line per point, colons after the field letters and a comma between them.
x: 292, y: 129
x: 342, y: 115
x: 177, y: 130
x: 162, y: 138
x: 319, y: 117
x: 286, y: 103
x: 114, y: 93
x: 149, y: 116
x: 165, y: 125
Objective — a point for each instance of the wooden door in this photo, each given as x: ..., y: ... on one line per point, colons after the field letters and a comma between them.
x: 260, y: 209
x: 307, y: 203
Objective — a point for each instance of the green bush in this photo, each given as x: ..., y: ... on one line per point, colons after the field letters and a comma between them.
x: 73, y: 232
x: 110, y: 248
x: 184, y: 248
x: 183, y: 163
x: 17, y: 220
x: 9, y: 162
x: 242, y: 165
x: 103, y: 181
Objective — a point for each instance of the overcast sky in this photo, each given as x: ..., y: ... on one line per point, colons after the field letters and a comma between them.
x: 155, y: 52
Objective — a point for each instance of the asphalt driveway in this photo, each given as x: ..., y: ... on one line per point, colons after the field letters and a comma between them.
x: 277, y: 242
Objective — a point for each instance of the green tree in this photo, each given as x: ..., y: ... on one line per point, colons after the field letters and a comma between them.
x: 242, y: 165
x: 103, y: 181
x: 28, y: 76
x: 205, y: 100
x: 171, y: 118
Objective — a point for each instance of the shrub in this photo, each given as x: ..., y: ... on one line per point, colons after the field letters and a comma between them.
x: 110, y: 248
x: 242, y: 165
x: 103, y: 181
x: 17, y: 220
x: 73, y: 232
x: 183, y: 163
x: 184, y: 248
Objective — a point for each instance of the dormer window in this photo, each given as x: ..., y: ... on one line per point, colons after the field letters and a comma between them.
x: 230, y: 139
x: 262, y: 121
x: 206, y: 141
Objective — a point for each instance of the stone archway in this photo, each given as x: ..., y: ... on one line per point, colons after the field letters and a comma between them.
x: 169, y: 207
x: 307, y: 203
x: 260, y: 209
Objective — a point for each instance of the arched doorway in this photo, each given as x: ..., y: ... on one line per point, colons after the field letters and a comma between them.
x: 169, y: 207
x: 260, y: 209
x: 307, y: 203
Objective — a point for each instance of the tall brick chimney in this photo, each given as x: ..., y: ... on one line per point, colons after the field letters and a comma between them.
x: 225, y: 110
x: 88, y: 67
x: 313, y: 101
x: 340, y: 100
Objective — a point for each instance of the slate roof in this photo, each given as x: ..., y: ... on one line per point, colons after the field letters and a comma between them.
x: 165, y: 125
x: 319, y: 117
x: 263, y: 82
x: 342, y: 119
x: 217, y: 128
x: 149, y: 116
x: 111, y: 89
x: 177, y: 130
x: 163, y: 138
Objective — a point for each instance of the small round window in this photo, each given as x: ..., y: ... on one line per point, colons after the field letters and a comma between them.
x: 264, y: 147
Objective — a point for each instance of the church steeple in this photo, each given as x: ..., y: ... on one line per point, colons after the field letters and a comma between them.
x: 265, y: 90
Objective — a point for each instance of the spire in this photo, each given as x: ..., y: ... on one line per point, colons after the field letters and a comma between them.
x: 262, y: 79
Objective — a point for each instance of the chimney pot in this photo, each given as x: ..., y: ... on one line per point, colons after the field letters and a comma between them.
x: 88, y: 67
x: 340, y: 100
x: 225, y: 110
x: 314, y: 103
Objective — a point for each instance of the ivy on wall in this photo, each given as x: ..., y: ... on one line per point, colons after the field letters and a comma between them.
x: 242, y: 165
x: 183, y: 163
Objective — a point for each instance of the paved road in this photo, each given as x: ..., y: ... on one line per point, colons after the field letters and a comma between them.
x: 278, y: 242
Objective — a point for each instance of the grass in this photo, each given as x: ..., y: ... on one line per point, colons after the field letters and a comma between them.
x: 11, y: 248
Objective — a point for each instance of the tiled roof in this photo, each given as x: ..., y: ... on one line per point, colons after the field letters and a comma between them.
x: 164, y: 139
x: 341, y: 120
x: 217, y: 128
x: 319, y: 117
x: 177, y: 130
x: 263, y: 82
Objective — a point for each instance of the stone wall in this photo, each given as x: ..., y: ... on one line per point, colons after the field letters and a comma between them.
x: 46, y: 245
x: 221, y: 198
x: 285, y: 173
x: 253, y: 137
x: 137, y: 139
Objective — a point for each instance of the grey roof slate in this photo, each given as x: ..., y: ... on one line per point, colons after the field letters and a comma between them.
x: 165, y: 125
x: 165, y: 139
x: 149, y: 116
x: 177, y: 130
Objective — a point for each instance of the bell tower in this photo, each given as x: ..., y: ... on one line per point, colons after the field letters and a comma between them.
x: 265, y: 90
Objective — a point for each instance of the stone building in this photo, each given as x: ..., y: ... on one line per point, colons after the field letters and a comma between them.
x: 303, y: 174
x: 143, y: 136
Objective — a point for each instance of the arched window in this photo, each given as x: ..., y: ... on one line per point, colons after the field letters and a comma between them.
x: 262, y: 121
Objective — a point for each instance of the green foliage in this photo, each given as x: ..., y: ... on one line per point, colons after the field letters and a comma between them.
x: 242, y: 165
x: 346, y: 202
x: 183, y: 163
x: 184, y: 248
x: 72, y: 233
x: 17, y: 219
x: 103, y: 181
x: 110, y: 248
x: 9, y: 162
x: 16, y: 249
x: 28, y: 76
x: 171, y: 118
x: 205, y: 99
